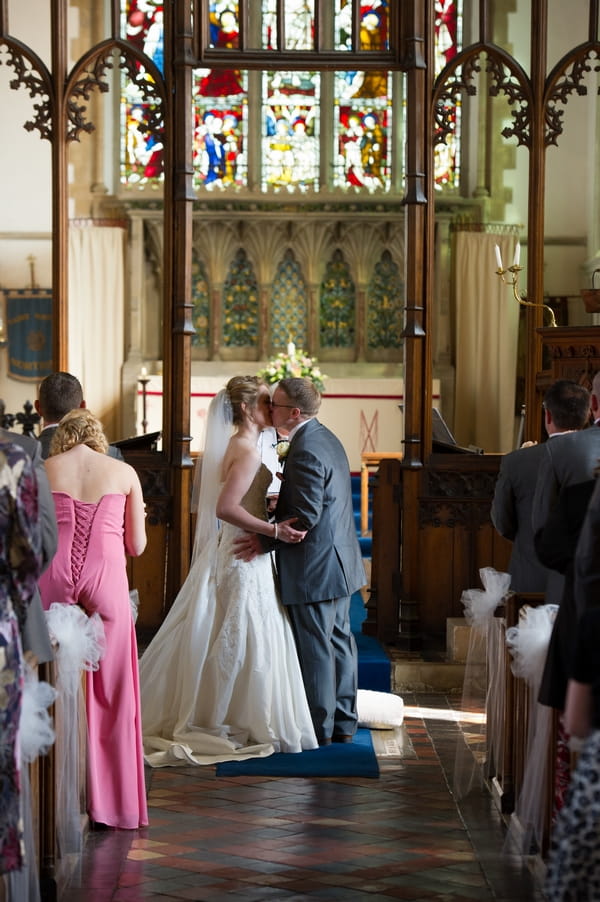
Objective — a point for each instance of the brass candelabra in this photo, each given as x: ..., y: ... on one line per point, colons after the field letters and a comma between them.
x: 513, y: 282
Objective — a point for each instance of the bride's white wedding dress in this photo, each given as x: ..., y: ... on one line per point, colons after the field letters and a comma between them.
x: 221, y: 678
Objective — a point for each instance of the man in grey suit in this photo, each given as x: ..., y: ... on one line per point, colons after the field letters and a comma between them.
x: 35, y: 636
x: 571, y: 452
x: 570, y: 461
x: 566, y: 408
x: 57, y: 395
x: 318, y: 575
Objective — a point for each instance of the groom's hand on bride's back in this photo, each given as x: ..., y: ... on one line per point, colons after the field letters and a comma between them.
x: 247, y: 546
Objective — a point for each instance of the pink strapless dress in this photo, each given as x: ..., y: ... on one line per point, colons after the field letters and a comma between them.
x: 89, y: 569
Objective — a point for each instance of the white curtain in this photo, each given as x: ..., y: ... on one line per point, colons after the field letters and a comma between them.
x: 96, y: 319
x: 487, y: 322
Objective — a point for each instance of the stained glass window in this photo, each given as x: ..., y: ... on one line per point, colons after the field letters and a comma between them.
x: 290, y: 131
x: 337, y: 305
x: 373, y: 25
x: 228, y: 118
x: 384, y: 305
x: 240, y: 304
x: 299, y: 25
x: 200, y: 302
x: 224, y: 24
x: 448, y: 18
x: 289, y: 304
x: 141, y: 136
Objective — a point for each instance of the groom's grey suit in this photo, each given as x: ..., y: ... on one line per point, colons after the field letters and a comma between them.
x: 318, y: 575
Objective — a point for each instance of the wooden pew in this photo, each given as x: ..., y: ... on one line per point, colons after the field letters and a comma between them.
x: 507, y: 781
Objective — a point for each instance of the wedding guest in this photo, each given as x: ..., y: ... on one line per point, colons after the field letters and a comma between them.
x: 221, y: 678
x: 566, y: 409
x: 57, y: 395
x: 35, y: 638
x: 573, y: 871
x: 100, y: 513
x: 21, y: 562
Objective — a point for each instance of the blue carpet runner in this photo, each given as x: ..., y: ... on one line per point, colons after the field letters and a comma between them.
x: 374, y: 668
x: 353, y: 759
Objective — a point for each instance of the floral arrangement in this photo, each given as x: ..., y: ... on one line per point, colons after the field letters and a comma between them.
x: 294, y: 362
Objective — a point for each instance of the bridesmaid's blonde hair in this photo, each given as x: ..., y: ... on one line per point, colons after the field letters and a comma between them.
x: 79, y: 427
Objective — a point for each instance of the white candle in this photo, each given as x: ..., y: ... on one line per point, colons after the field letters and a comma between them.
x: 517, y: 254
x: 291, y: 349
x: 143, y: 373
x: 498, y: 257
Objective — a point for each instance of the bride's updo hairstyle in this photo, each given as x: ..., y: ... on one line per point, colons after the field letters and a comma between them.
x: 243, y: 390
x: 78, y: 427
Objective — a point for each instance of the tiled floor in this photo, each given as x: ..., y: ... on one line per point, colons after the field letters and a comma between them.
x: 401, y: 836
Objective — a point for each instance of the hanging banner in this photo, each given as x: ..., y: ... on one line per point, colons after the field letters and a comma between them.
x: 29, y: 333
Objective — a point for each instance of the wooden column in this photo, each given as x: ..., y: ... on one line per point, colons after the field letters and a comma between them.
x: 535, y: 216
x: 60, y: 192
x: 177, y: 307
x: 417, y: 46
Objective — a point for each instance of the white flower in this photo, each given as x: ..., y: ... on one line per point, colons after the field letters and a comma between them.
x: 282, y: 447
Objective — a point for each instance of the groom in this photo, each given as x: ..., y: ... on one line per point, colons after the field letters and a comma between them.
x: 318, y: 575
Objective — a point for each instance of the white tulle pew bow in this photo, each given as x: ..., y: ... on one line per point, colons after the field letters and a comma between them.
x: 528, y: 645
x: 480, y: 750
x: 80, y: 645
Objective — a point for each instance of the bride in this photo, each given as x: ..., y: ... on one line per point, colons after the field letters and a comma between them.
x: 221, y: 678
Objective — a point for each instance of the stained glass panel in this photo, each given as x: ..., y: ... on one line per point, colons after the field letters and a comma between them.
x: 290, y: 131
x: 446, y: 33
x: 298, y: 22
x: 447, y: 41
x: 337, y: 305
x: 219, y: 147
x: 374, y: 25
x: 224, y: 24
x: 200, y: 302
x: 384, y: 305
x: 142, y: 148
x: 240, y: 304
x: 289, y: 304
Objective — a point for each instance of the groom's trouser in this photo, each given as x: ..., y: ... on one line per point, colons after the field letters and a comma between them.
x: 327, y: 653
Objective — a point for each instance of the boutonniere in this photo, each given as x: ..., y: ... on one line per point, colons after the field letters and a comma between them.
x: 282, y: 447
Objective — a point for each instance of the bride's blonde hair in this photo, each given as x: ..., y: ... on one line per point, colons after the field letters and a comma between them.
x: 243, y: 390
x: 78, y: 427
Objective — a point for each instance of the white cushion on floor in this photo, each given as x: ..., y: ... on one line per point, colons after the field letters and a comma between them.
x: 379, y: 710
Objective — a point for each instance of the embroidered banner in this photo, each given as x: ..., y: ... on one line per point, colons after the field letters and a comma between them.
x: 29, y: 331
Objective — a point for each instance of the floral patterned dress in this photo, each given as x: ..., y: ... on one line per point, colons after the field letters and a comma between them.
x: 20, y: 566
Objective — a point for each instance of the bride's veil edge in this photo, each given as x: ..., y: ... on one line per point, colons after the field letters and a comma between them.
x: 207, y: 475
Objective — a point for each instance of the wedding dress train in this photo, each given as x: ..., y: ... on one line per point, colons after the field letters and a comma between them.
x: 221, y: 678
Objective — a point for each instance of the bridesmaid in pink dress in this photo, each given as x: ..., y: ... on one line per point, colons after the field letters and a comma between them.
x: 100, y: 514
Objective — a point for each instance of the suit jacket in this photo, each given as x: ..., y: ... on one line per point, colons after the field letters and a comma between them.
x: 586, y: 564
x: 45, y: 437
x: 35, y: 634
x: 569, y: 459
x: 555, y: 545
x: 511, y: 515
x: 316, y: 488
